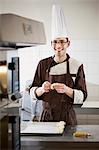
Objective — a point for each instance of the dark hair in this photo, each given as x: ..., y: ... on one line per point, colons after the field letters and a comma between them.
x: 67, y: 39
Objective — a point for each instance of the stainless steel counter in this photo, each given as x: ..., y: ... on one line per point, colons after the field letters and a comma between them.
x: 87, y: 111
x: 64, y: 141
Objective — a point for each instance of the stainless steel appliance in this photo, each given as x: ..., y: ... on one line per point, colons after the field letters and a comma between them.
x: 17, y: 32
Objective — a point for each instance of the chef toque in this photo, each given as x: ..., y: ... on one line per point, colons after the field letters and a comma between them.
x: 58, y: 23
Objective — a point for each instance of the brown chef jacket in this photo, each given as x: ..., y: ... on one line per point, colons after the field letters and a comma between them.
x: 59, y: 106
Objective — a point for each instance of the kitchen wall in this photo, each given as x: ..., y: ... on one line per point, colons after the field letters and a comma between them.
x: 82, y: 19
x: 0, y: 6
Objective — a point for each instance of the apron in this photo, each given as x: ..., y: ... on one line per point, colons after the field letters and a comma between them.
x: 59, y: 106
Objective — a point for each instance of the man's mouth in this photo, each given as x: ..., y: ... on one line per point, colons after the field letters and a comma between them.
x: 59, y: 50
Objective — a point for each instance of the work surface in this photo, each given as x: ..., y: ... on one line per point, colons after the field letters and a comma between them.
x: 64, y: 141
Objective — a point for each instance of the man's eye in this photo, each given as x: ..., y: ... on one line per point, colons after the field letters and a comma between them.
x: 55, y: 41
x: 60, y: 41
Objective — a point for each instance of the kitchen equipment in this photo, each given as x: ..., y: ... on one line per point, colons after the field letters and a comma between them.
x: 17, y: 32
x: 42, y: 127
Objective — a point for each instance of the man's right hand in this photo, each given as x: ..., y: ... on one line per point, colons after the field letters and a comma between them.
x: 46, y: 86
x: 43, y: 89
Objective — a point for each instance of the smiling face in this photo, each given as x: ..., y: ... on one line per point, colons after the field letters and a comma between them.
x: 60, y: 46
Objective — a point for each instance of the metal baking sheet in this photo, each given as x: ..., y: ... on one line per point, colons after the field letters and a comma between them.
x: 40, y: 128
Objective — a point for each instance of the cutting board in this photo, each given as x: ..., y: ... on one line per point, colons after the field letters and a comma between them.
x: 40, y: 128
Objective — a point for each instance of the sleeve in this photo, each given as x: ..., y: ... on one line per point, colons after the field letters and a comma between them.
x: 37, y: 82
x: 80, y: 89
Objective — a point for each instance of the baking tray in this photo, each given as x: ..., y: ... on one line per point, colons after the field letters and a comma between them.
x: 40, y: 128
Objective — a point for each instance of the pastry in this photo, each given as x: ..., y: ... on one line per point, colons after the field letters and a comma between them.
x: 81, y: 134
x: 60, y: 126
x: 53, y: 85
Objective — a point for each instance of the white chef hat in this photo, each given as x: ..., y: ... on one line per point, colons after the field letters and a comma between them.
x: 59, y: 28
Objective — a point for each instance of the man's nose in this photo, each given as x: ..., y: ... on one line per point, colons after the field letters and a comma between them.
x: 59, y: 47
x: 59, y: 43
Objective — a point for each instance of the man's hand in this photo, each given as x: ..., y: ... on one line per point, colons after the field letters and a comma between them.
x: 46, y: 86
x: 59, y: 87
x: 62, y: 88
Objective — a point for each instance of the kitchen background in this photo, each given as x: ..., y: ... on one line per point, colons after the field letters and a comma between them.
x: 82, y: 19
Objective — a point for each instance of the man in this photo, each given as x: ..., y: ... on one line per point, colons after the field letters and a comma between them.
x: 59, y: 80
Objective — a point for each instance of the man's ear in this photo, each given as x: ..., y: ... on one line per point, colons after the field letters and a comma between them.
x: 51, y: 44
x: 68, y: 43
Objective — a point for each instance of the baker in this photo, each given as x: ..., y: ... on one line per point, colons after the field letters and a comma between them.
x: 60, y: 79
